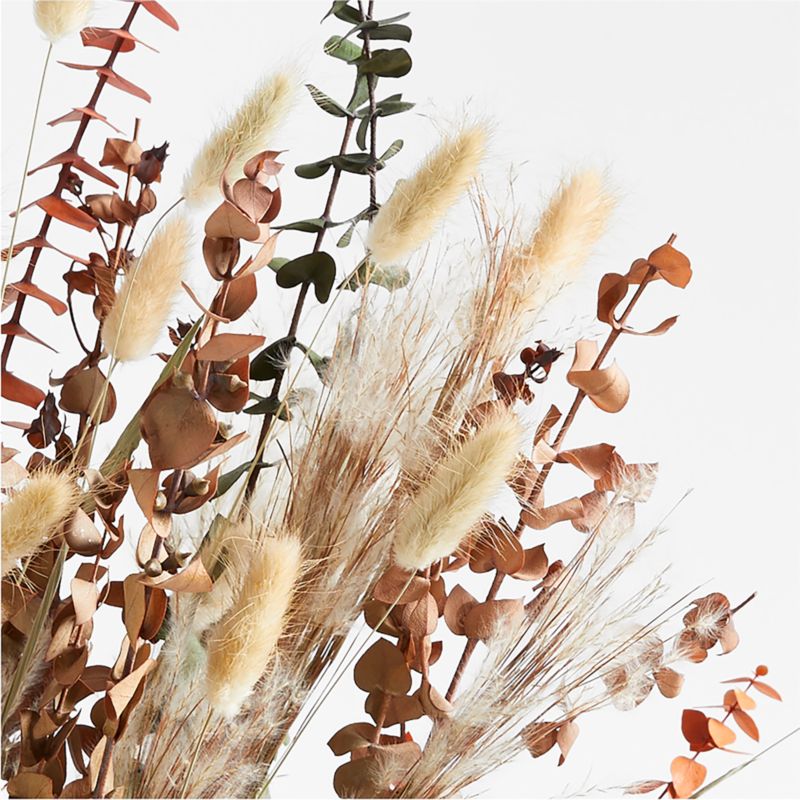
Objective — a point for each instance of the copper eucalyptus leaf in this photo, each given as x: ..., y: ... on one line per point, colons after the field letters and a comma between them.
x: 383, y: 667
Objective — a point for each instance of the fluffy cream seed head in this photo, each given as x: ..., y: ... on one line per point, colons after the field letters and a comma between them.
x: 58, y: 18
x: 457, y: 493
x: 574, y: 220
x: 241, y: 644
x: 144, y: 302
x: 246, y: 132
x: 34, y: 514
x: 410, y: 215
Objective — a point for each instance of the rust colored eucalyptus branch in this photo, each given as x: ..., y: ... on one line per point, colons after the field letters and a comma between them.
x: 469, y: 647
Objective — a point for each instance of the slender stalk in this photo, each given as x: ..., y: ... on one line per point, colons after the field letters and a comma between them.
x: 25, y: 168
x: 499, y: 577
x: 61, y: 183
x: 266, y: 423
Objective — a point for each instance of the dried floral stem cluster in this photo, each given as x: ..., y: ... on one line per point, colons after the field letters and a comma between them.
x: 375, y: 473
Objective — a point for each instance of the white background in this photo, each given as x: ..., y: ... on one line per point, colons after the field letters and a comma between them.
x: 693, y: 108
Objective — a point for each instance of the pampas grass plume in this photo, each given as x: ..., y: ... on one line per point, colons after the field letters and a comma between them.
x: 457, y: 493
x: 34, y: 514
x: 245, y: 133
x: 408, y: 218
x: 145, y: 299
x: 59, y: 18
x: 240, y: 646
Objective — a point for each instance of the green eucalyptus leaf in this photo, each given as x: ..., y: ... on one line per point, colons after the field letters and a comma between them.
x: 360, y: 93
x: 357, y: 163
x: 361, y: 133
x: 345, y: 239
x: 314, y: 170
x: 277, y: 263
x: 272, y: 405
x: 343, y: 11
x: 324, y: 102
x: 228, y: 479
x: 394, y: 148
x: 272, y: 361
x: 317, y: 268
x: 390, y: 277
x: 389, y: 31
x: 386, y: 107
x: 340, y: 48
x: 320, y: 364
x: 386, y: 63
x: 314, y: 225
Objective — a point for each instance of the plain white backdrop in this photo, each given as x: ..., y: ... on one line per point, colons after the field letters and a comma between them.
x: 693, y: 109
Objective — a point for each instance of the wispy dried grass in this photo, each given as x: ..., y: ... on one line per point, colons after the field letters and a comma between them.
x: 247, y: 131
x: 58, y: 18
x: 35, y: 513
x: 549, y: 668
x: 417, y: 204
x: 145, y: 299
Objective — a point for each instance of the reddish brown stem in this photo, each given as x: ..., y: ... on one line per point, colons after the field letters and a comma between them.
x: 499, y: 577
x: 62, y: 183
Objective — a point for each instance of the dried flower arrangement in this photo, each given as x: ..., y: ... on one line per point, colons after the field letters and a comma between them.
x: 245, y: 607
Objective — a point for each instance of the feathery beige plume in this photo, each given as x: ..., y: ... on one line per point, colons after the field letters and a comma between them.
x: 34, y: 514
x: 457, y: 493
x: 574, y: 220
x: 59, y: 18
x: 145, y: 299
x: 408, y: 218
x: 245, y: 133
x: 240, y: 646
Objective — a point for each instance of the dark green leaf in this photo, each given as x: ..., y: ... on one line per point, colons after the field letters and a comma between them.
x: 386, y: 107
x: 271, y: 362
x: 272, y: 405
x: 306, y: 225
x: 386, y: 63
x: 228, y: 479
x: 360, y: 93
x: 388, y: 31
x: 337, y: 47
x: 357, y: 163
x: 344, y: 12
x: 361, y: 133
x: 324, y: 102
x: 314, y: 170
x: 320, y: 364
x: 317, y: 268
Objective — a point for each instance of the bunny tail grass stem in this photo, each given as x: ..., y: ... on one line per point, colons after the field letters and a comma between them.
x: 53, y: 583
x: 25, y: 168
x: 469, y: 647
x: 61, y: 182
x: 196, y: 752
x: 266, y: 424
x: 345, y: 667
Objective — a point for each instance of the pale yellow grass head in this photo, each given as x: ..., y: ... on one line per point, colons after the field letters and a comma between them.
x: 59, y: 18
x: 241, y: 644
x: 457, y: 492
x: 35, y: 513
x: 145, y: 299
x: 416, y: 206
x: 247, y: 131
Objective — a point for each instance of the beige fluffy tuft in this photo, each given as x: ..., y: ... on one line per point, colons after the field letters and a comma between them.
x: 245, y: 133
x: 457, y: 493
x: 569, y: 228
x: 145, y: 300
x: 410, y: 215
x: 240, y: 646
x: 59, y: 18
x: 34, y: 514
